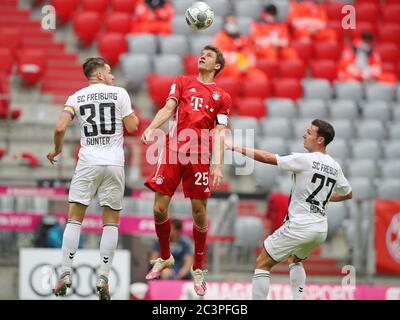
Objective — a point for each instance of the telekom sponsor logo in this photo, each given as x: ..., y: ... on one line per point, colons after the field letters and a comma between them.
x: 32, y: 191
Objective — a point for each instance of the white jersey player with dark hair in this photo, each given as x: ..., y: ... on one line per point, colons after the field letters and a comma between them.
x: 317, y: 179
x: 103, y: 110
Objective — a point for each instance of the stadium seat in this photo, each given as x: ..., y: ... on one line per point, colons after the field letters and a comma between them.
x: 276, y: 128
x: 370, y: 129
x: 142, y: 43
x: 127, y: 6
x: 326, y: 50
x: 256, y: 89
x: 190, y: 65
x: 396, y: 112
x: 389, y: 32
x: 344, y: 128
x: 376, y: 110
x: 317, y: 89
x: 250, y: 107
x: 135, y: 67
x: 389, y: 52
x: 249, y: 8
x: 118, y: 22
x: 111, y: 46
x: 159, y: 87
x: 343, y: 109
x: 31, y: 65
x: 244, y: 24
x: 6, y: 204
x: 174, y: 44
x: 324, y: 69
x: 280, y: 108
x: 180, y: 6
x: 273, y: 145
x: 349, y: 90
x: 268, y: 66
x: 394, y: 130
x: 283, y: 9
x: 362, y: 188
x: 303, y: 49
x: 179, y: 25
x: 366, y: 148
x: 362, y: 168
x: 168, y: 64
x: 64, y: 9
x: 312, y: 108
x: 388, y: 189
x: 228, y: 84
x: 363, y: 26
x: 86, y: 26
x: 390, y: 169
x: 287, y: 88
x: 336, y: 213
x: 338, y: 149
x: 7, y: 60
x: 299, y: 126
x: 391, y: 149
x: 99, y: 6
x: 244, y: 123
x: 368, y: 12
x: 293, y: 69
x: 379, y: 91
x: 199, y: 42
x: 220, y: 7
x: 214, y: 28
x: 296, y: 145
x: 248, y: 233
x: 391, y: 13
x: 264, y: 175
x: 10, y: 38
x: 334, y: 10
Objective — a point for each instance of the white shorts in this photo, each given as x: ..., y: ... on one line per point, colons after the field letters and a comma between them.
x: 291, y: 239
x: 107, y: 181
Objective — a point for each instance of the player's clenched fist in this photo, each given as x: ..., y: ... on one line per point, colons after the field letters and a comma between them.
x: 51, y: 156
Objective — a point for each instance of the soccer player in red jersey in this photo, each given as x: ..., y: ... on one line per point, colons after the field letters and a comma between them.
x: 200, y: 108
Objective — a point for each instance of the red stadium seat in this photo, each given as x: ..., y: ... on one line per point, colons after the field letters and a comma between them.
x: 64, y: 9
x: 291, y: 69
x: 287, y: 88
x: 334, y: 11
x: 361, y: 27
x: 389, y: 32
x: 31, y: 65
x: 7, y: 60
x: 268, y: 66
x: 327, y: 50
x: 111, y: 45
x: 324, y: 69
x: 124, y: 5
x: 159, y: 87
x: 391, y: 13
x: 86, y: 26
x: 99, y: 6
x: 256, y: 89
x: 337, y: 27
x: 230, y: 85
x: 251, y: 107
x: 4, y: 95
x: 118, y: 22
x: 303, y: 49
x: 367, y: 12
x: 10, y: 38
x: 190, y: 64
x: 388, y: 52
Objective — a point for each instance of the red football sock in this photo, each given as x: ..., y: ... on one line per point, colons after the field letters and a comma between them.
x: 199, y: 237
x: 163, y: 231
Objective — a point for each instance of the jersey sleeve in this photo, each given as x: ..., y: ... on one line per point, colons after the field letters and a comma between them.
x: 293, y: 162
x: 71, y: 106
x: 342, y: 186
x: 126, y: 106
x: 175, y: 91
x: 225, y: 110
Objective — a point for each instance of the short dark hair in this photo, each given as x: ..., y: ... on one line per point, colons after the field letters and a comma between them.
x: 271, y: 9
x: 367, y: 36
x: 220, y: 57
x: 92, y: 64
x: 177, y: 224
x: 325, y: 130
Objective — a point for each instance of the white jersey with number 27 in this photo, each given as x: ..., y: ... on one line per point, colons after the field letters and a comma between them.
x: 315, y: 176
x: 100, y: 109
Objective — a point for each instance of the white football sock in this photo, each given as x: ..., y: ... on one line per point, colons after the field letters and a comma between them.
x: 70, y: 244
x: 260, y: 286
x: 108, y: 245
x: 297, y: 280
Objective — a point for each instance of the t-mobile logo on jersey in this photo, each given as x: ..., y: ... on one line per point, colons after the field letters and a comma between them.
x: 196, y: 103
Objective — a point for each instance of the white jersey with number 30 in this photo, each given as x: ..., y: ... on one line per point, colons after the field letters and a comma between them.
x: 100, y: 109
x: 315, y: 176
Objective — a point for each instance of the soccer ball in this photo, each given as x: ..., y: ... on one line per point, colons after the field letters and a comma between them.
x: 199, y: 16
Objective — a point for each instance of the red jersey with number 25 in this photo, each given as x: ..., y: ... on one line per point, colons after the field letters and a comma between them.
x: 199, y: 104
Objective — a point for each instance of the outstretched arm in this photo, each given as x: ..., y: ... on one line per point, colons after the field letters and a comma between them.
x: 161, y: 117
x: 219, y: 146
x: 59, y: 132
x: 337, y: 198
x: 258, y: 155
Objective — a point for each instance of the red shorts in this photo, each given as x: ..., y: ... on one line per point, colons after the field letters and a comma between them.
x: 195, y: 177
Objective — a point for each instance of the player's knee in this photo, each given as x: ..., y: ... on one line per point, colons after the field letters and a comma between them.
x: 199, y: 216
x: 160, y: 213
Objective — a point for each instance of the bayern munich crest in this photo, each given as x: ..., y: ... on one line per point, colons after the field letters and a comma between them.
x: 216, y: 95
x: 159, y: 180
x: 393, y: 237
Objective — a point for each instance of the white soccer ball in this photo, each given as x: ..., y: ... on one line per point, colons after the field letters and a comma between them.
x: 199, y: 16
